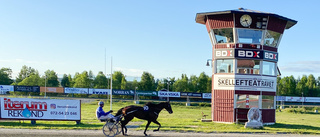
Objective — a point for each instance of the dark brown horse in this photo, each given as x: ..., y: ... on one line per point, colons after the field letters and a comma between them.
x: 149, y: 112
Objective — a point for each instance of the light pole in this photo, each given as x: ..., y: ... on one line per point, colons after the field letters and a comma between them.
x: 135, y: 95
x: 111, y: 87
x: 135, y: 92
x: 45, y: 85
x: 302, y: 98
x: 168, y: 88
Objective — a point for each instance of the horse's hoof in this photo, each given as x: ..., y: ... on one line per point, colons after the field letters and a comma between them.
x: 145, y: 134
x: 155, y: 130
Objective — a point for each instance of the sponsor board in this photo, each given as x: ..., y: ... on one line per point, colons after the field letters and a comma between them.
x: 245, y: 82
x: 6, y: 88
x: 281, y: 98
x: 185, y: 94
x: 223, y: 53
x: 147, y: 93
x: 52, y: 89
x: 206, y: 95
x: 272, y: 56
x: 40, y: 109
x: 76, y: 90
x: 294, y: 99
x: 248, y: 54
x: 168, y: 94
x: 312, y: 99
x: 27, y: 88
x: 122, y: 92
x: 99, y: 91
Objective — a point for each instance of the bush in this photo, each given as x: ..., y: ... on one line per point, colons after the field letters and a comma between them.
x: 21, y: 93
x: 296, y: 110
x: 315, y: 108
x: 98, y: 96
x: 80, y: 95
x: 204, y: 104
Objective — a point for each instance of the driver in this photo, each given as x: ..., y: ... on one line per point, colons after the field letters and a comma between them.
x: 101, y: 115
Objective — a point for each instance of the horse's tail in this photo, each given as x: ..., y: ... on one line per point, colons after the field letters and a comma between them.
x: 119, y: 112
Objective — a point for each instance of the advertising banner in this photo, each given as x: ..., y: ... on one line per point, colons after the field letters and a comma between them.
x: 185, y: 94
x: 40, y: 109
x: 272, y: 56
x: 245, y: 82
x: 122, y: 92
x: 99, y: 91
x: 147, y: 93
x: 52, y: 89
x: 294, y: 99
x: 312, y: 99
x: 5, y: 88
x: 206, y: 95
x: 168, y: 94
x: 248, y: 54
x: 27, y: 88
x: 281, y: 98
x: 223, y: 53
x: 76, y: 90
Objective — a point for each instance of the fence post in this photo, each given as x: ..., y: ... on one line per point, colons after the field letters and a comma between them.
x: 33, y: 122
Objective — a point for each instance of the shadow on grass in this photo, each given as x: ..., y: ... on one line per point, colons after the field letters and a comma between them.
x: 39, y: 125
x: 291, y: 127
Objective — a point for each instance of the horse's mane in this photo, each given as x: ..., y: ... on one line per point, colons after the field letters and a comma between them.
x: 150, y: 104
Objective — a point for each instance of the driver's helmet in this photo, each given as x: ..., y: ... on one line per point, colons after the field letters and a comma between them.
x: 100, y: 103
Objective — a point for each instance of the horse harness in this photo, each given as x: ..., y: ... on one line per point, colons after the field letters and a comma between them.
x: 145, y: 108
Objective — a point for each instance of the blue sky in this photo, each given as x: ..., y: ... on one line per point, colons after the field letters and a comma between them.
x: 160, y: 37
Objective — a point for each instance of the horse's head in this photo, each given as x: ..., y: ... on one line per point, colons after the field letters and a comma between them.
x: 167, y: 106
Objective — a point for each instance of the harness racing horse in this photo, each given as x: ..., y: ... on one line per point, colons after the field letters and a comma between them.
x: 149, y: 112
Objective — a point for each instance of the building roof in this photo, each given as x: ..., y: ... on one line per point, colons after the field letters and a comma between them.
x: 201, y: 17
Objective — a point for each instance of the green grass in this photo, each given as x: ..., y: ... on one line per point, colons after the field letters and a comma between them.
x: 183, y: 119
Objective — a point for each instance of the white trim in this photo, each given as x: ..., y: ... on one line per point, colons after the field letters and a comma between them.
x: 268, y: 123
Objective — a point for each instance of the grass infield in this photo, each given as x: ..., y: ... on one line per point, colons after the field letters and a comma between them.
x: 183, y: 119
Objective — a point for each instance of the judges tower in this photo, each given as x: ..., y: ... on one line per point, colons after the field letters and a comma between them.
x: 244, y: 62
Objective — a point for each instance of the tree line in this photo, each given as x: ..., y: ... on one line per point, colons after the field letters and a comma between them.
x: 29, y: 76
x: 307, y: 86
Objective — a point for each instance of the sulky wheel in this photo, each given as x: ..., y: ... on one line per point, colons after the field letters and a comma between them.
x: 110, y: 129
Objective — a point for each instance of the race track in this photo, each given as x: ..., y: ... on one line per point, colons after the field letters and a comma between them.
x: 131, y: 133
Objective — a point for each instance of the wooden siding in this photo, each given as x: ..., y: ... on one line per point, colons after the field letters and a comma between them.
x: 270, y: 48
x: 223, y: 110
x: 276, y: 24
x: 240, y: 114
x: 219, y: 21
x: 224, y: 46
x: 243, y: 92
x: 247, y: 92
x: 268, y: 115
x: 248, y: 46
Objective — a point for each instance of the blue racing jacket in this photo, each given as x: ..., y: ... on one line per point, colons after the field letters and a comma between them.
x: 100, y: 112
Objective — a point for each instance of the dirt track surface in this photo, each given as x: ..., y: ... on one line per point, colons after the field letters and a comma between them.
x: 131, y: 133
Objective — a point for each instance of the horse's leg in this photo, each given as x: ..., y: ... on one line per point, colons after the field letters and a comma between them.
x: 147, y: 128
x: 123, y: 126
x: 155, y: 121
x: 124, y: 123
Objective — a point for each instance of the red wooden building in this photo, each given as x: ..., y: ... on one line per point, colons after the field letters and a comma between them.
x: 245, y: 55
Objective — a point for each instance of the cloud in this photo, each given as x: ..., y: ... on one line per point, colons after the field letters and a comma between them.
x: 19, y: 61
x: 302, y: 66
x: 130, y: 71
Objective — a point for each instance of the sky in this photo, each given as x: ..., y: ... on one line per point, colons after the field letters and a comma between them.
x: 159, y: 37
